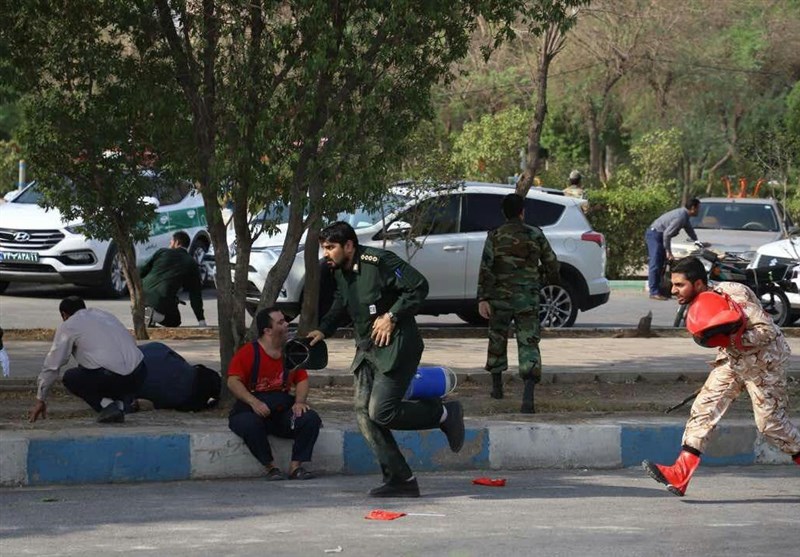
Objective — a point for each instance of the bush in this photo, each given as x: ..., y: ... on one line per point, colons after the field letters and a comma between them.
x: 623, y: 214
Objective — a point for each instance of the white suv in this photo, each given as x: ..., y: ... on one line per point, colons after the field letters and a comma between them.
x: 36, y: 245
x: 449, y: 231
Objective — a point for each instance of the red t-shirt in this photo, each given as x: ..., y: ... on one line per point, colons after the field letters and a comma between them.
x: 270, y: 370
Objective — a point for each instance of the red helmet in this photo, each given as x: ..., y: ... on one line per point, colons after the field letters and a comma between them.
x: 713, y: 318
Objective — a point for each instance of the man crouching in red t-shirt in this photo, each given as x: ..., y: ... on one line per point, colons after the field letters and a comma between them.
x: 257, y: 378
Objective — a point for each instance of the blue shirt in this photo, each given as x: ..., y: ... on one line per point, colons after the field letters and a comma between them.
x: 670, y: 224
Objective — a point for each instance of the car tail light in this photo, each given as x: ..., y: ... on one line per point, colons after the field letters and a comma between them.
x: 593, y: 236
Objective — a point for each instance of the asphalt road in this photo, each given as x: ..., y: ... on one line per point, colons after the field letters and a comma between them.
x: 728, y: 511
x: 36, y: 306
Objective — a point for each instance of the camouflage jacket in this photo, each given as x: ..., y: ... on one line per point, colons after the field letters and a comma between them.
x: 762, y: 338
x: 515, y: 255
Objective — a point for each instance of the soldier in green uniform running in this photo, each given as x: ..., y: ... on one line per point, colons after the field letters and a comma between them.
x: 508, y: 288
x: 382, y: 293
x: 164, y: 274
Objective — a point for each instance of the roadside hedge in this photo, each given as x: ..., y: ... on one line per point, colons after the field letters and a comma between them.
x: 622, y: 214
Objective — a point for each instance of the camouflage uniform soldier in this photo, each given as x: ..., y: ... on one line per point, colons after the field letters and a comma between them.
x: 508, y: 289
x: 754, y: 359
x: 381, y: 293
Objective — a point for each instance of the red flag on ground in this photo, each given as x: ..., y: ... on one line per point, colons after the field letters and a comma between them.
x: 491, y: 482
x: 379, y: 514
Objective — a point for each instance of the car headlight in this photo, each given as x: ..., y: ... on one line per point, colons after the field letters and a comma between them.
x: 78, y: 228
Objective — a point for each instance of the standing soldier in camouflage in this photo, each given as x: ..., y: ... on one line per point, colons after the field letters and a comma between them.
x: 752, y: 355
x: 382, y: 294
x: 516, y: 257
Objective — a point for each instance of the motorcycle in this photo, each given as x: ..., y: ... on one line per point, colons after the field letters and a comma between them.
x: 770, y: 284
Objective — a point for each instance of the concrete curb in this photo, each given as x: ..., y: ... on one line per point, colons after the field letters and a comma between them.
x: 142, y: 454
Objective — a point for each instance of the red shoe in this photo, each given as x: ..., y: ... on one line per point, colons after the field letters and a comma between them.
x: 796, y: 459
x: 677, y: 476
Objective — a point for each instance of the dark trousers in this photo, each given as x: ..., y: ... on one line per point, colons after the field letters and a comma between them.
x: 657, y: 256
x: 93, y: 385
x: 254, y: 429
x: 380, y: 407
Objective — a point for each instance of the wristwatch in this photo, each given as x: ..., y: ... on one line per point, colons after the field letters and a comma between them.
x: 392, y: 317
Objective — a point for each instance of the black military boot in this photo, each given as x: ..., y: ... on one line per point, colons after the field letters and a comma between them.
x: 497, y: 385
x: 408, y: 488
x: 527, y: 397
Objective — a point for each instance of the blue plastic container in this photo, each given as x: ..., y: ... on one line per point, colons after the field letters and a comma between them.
x: 431, y: 382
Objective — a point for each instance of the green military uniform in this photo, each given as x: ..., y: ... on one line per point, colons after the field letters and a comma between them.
x: 510, y: 280
x: 380, y: 282
x: 164, y: 274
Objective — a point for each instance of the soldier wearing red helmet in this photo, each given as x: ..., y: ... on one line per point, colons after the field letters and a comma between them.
x: 752, y: 354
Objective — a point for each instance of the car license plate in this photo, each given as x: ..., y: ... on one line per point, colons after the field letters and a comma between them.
x: 22, y: 256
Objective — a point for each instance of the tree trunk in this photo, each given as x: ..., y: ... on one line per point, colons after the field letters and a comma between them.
x: 552, y: 43
x: 309, y: 312
x: 594, y: 139
x: 128, y: 254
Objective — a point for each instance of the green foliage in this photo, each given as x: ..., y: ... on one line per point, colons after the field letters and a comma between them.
x: 656, y: 156
x: 488, y: 150
x: 89, y: 126
x: 9, y: 166
x: 622, y: 213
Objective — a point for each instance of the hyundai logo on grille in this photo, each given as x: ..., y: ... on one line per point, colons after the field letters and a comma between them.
x: 22, y: 237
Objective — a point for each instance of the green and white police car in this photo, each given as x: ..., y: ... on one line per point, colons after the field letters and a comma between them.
x: 37, y: 245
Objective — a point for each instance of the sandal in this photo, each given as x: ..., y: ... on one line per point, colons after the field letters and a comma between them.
x: 274, y: 474
x: 301, y: 473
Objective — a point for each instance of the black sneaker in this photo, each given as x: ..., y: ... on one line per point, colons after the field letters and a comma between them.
x: 408, y: 488
x: 527, y: 398
x: 111, y: 414
x: 453, y: 425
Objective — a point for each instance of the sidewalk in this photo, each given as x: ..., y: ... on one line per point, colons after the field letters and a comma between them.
x: 204, y: 448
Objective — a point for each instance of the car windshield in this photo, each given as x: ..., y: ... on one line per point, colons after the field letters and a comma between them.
x: 363, y: 217
x: 736, y: 216
x: 31, y: 196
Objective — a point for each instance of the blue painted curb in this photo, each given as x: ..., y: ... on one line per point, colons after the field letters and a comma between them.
x: 28, y: 459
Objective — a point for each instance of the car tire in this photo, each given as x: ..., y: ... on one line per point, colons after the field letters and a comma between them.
x: 3, y: 285
x: 558, y: 307
x: 198, y: 250
x: 114, y: 284
x: 776, y: 304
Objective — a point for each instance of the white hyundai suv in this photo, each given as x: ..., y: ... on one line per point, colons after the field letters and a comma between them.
x: 37, y: 245
x: 445, y: 243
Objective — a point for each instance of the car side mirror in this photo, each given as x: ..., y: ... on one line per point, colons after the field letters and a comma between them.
x: 151, y: 200
x: 397, y: 229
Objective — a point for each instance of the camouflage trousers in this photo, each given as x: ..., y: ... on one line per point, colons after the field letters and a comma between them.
x: 766, y: 385
x: 523, y: 309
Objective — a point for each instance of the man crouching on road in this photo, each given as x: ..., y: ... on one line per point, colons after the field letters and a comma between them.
x: 752, y: 354
x: 259, y: 379
x: 110, y: 368
x: 382, y: 293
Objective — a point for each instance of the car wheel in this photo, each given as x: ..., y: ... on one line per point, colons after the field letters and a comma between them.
x: 198, y: 252
x: 557, y: 307
x: 775, y: 303
x: 114, y: 283
x: 3, y: 285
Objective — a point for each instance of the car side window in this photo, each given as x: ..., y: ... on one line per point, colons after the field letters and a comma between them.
x: 435, y: 215
x: 542, y: 213
x: 482, y: 212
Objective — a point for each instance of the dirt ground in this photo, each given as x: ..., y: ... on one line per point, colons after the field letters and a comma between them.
x: 554, y: 403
